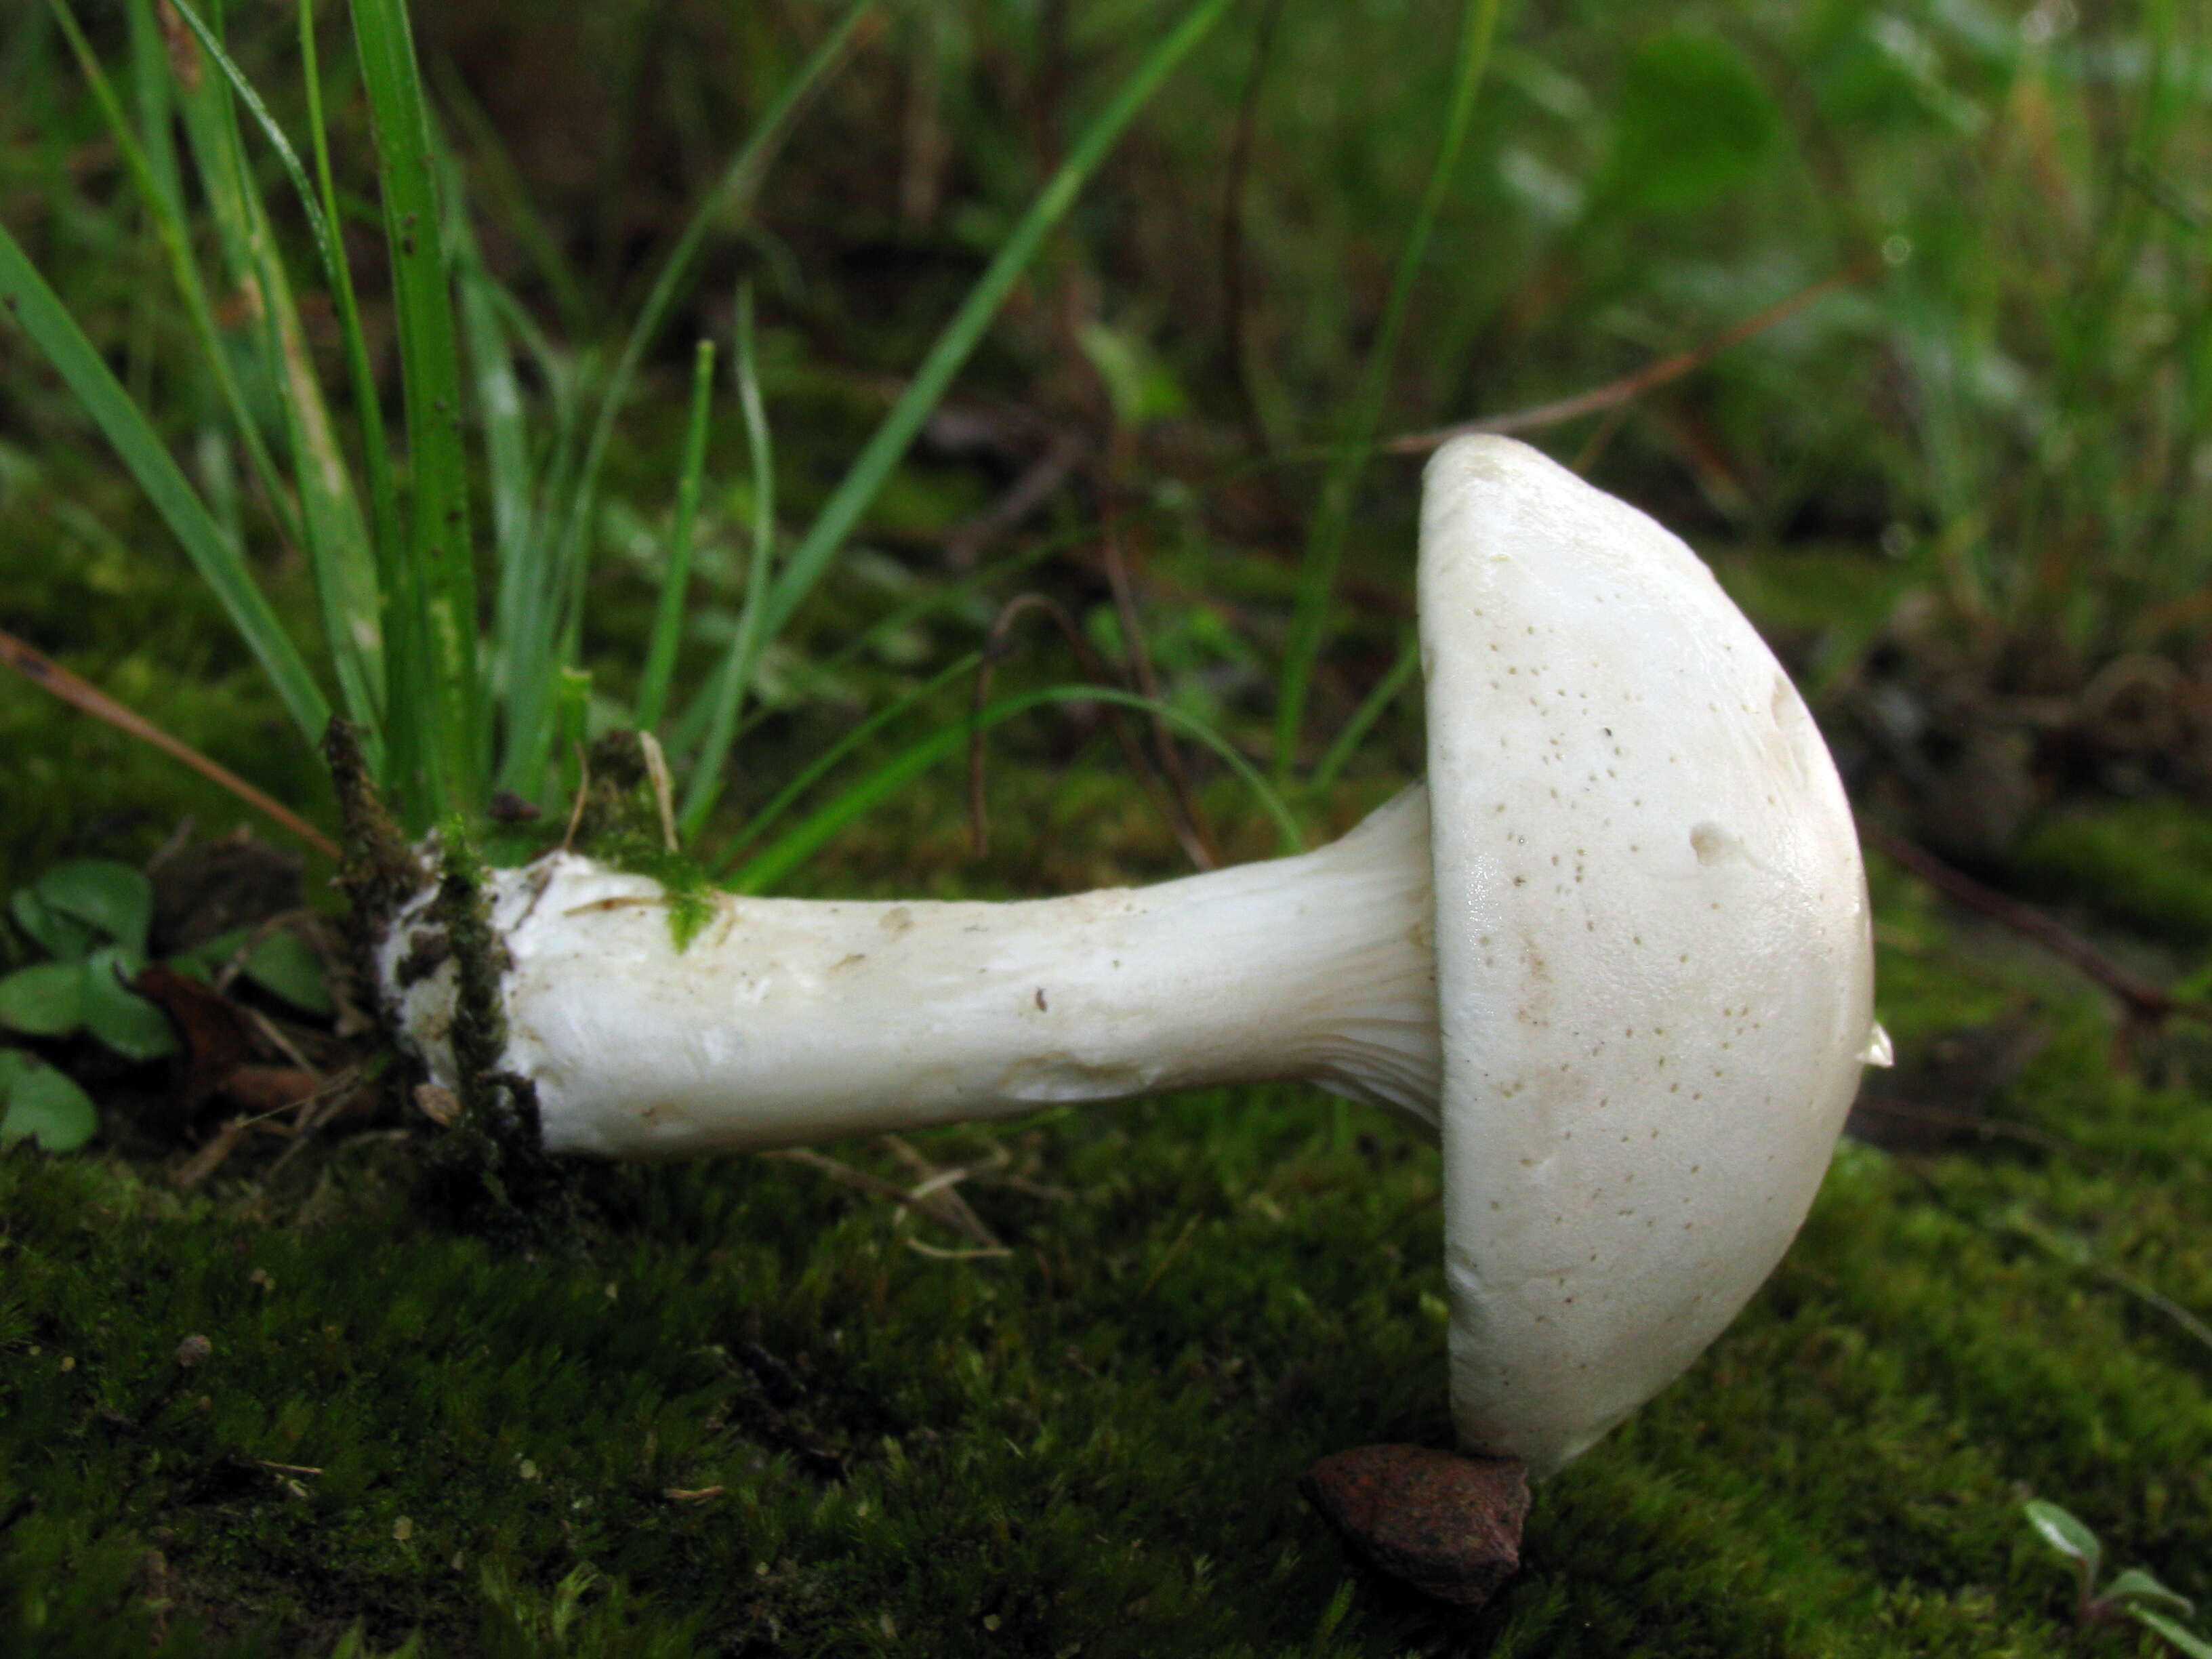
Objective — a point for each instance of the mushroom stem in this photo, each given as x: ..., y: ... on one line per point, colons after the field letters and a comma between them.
x: 790, y: 1021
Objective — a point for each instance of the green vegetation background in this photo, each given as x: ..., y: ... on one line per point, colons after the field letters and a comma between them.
x: 751, y: 1418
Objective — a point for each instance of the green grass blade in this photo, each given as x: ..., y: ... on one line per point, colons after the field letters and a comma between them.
x: 397, y: 609
x: 332, y: 530
x: 440, y: 548
x: 962, y: 335
x: 510, y: 477
x: 318, y: 226
x: 1346, y: 742
x: 162, y: 196
x: 823, y: 763
x: 800, y: 842
x: 32, y: 305
x: 676, y: 581
x: 732, y: 195
x: 314, y: 503
x: 705, y: 783
x: 547, y: 614
x: 1317, y: 580
x: 150, y: 87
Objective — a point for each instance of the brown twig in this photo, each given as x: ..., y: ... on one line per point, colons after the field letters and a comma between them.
x: 42, y: 670
x: 1646, y: 378
x: 2146, y: 1003
x: 995, y: 649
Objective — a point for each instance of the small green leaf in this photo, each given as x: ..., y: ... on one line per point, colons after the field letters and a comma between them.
x: 119, y: 1016
x: 2137, y: 1589
x: 113, y: 898
x: 1692, y: 121
x: 2063, y: 1531
x: 45, y: 1106
x: 2180, y: 1635
x: 285, y: 965
x: 59, y: 935
x: 47, y: 1000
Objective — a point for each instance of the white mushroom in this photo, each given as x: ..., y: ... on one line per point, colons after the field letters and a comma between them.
x: 1616, y: 957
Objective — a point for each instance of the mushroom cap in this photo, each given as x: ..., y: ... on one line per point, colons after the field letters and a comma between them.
x: 1654, y: 967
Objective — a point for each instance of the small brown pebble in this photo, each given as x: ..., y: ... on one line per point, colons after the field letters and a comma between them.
x: 192, y: 1349
x: 1447, y: 1524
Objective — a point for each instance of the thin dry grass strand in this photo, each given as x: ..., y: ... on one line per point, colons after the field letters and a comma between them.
x: 1651, y: 376
x: 42, y: 670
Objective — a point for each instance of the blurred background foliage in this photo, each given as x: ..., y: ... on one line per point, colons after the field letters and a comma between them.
x: 1967, y: 495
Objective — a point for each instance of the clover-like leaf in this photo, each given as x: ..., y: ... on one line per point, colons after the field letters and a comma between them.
x: 115, y: 898
x: 118, y: 1015
x: 2064, y: 1532
x: 45, y: 1001
x: 56, y: 932
x: 286, y: 965
x: 38, y: 1102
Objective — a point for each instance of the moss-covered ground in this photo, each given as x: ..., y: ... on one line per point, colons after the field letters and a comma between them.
x: 758, y: 1411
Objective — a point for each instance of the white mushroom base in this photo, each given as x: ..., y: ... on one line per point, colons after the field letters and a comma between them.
x: 789, y: 1021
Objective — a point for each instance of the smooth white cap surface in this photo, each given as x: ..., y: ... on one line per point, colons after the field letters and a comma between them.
x: 1654, y: 967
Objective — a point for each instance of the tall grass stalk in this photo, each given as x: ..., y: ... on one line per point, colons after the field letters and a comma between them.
x: 1332, y: 522
x: 445, y: 708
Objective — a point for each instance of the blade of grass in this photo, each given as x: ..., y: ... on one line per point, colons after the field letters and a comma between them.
x: 149, y: 86
x: 221, y: 563
x: 79, y: 693
x: 868, y: 473
x: 1346, y: 742
x: 162, y: 196
x: 489, y: 322
x: 732, y: 195
x: 1316, y: 579
x: 399, y: 651
x: 318, y: 226
x: 675, y: 581
x: 549, y: 612
x: 820, y: 767
x: 798, y: 844
x: 329, y: 526
x: 438, y: 541
x: 705, y: 783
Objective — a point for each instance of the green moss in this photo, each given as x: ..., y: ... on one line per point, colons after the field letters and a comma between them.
x: 687, y: 890
x: 620, y: 824
x: 2147, y: 864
